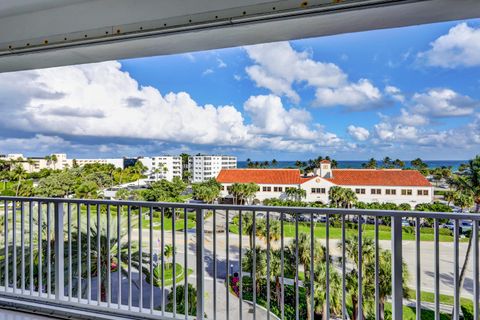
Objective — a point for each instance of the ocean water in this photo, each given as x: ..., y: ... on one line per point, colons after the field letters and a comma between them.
x: 358, y: 164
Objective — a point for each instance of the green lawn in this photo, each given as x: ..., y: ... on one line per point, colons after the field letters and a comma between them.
x: 168, y: 279
x: 336, y: 232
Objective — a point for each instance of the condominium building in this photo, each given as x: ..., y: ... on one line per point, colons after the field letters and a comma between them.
x: 163, y: 167
x: 56, y: 161
x: 205, y: 167
x: 370, y: 185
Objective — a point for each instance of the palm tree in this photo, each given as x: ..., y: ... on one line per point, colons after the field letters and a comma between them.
x: 449, y: 196
x: 463, y: 201
x: 297, y: 194
x: 319, y: 292
x: 180, y: 300
x: 18, y: 173
x: 54, y: 160
x: 335, y: 195
x: 168, y: 252
x: 274, y: 162
x: 469, y: 182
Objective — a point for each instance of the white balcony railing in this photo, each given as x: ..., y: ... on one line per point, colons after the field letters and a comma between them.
x: 136, y: 259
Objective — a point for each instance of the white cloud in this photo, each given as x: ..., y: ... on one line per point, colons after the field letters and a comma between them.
x: 460, y: 47
x: 410, y: 119
x: 237, y: 77
x: 390, y: 132
x: 278, y: 67
x: 207, y: 72
x: 221, y: 63
x: 443, y: 103
x: 101, y: 100
x: 358, y: 133
x: 395, y: 93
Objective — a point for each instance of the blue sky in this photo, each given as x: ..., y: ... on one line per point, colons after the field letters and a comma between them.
x: 406, y: 92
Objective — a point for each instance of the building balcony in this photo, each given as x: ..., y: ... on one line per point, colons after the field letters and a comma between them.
x: 115, y: 259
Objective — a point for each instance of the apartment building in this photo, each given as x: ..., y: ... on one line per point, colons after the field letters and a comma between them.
x: 56, y: 161
x: 205, y: 167
x: 163, y: 167
x: 370, y: 185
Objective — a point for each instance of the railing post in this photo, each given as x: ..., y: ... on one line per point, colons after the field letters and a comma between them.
x: 200, y: 263
x: 397, y: 288
x: 59, y: 252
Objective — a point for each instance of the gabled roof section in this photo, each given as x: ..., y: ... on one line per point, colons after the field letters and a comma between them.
x: 380, y: 177
x: 261, y: 176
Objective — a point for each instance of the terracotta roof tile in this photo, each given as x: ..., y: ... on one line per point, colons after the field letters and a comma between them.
x: 373, y: 177
x: 260, y: 176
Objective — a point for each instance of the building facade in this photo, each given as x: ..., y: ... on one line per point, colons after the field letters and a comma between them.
x: 205, y: 167
x: 56, y: 161
x: 370, y: 185
x: 163, y: 167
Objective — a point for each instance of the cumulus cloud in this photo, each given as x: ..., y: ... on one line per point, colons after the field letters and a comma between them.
x: 411, y: 119
x: 460, y: 47
x: 277, y: 67
x: 101, y: 100
x: 444, y: 103
x: 395, y: 93
x: 358, y: 133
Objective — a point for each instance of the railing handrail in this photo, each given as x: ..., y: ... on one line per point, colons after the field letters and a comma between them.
x: 258, y: 208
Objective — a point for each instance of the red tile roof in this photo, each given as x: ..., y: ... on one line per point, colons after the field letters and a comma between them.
x: 347, y: 177
x: 261, y: 176
x: 325, y: 161
x: 373, y: 177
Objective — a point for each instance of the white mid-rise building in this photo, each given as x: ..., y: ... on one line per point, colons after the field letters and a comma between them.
x: 163, y: 167
x: 205, y: 167
x: 56, y: 161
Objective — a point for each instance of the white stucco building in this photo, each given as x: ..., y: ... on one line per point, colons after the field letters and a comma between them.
x: 56, y: 161
x: 163, y: 167
x: 370, y: 185
x: 205, y: 167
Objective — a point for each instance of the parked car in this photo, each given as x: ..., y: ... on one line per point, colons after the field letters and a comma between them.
x: 465, y: 226
x: 405, y: 222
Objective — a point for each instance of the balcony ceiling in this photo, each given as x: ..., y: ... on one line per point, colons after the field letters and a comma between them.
x: 46, y: 33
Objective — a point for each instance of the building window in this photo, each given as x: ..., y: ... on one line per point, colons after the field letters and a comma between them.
x: 376, y: 191
x: 391, y: 192
x: 406, y: 192
x: 267, y: 189
x: 277, y: 189
x: 422, y: 192
x: 318, y: 190
x: 360, y: 191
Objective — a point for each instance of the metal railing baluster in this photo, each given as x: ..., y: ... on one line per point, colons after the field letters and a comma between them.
x: 49, y: 254
x: 30, y: 217
x: 150, y: 244
x: 282, y: 270
x: 129, y: 243
x: 312, y: 271
x: 5, y: 236
x: 69, y: 235
x: 344, y: 273
x: 79, y: 252
x: 377, y: 278
x: 418, y: 275
x: 14, y: 245
x: 108, y: 263
x: 268, y: 264
x: 119, y: 254
x: 99, y: 256
x: 254, y: 266
x: 59, y: 252
x: 40, y: 251
x: 140, y: 253
x: 89, y: 262
x: 185, y: 248
x: 200, y: 234
x: 214, y: 264
x: 397, y: 268
x: 437, y: 270
x: 240, y: 282
x: 22, y: 247
x: 360, y: 269
x: 162, y: 257
x: 297, y: 302
x: 327, y: 269
x: 174, y: 265
x: 227, y: 264
x: 476, y: 271
x: 456, y: 284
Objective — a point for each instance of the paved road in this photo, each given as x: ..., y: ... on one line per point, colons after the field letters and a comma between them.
x: 409, y: 252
